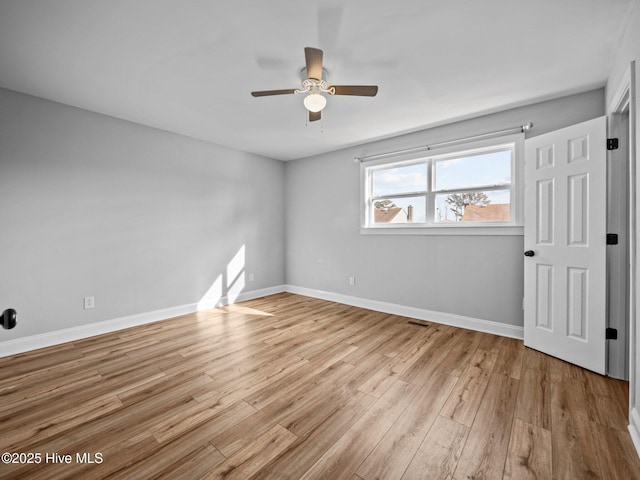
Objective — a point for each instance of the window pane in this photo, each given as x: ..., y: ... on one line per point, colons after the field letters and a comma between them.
x: 490, y: 206
x: 475, y: 171
x: 405, y: 179
x: 400, y: 210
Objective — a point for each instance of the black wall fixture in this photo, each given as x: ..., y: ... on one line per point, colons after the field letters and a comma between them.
x: 8, y: 318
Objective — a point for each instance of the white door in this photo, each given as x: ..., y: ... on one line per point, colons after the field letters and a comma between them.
x: 565, y: 244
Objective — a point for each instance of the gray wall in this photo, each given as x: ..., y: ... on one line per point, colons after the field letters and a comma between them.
x: 474, y: 276
x: 139, y: 218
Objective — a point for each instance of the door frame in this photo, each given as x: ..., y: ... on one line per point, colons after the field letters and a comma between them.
x: 620, y: 192
x: 625, y: 97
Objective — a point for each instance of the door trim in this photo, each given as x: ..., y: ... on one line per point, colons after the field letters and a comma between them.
x: 619, y: 213
x: 626, y: 92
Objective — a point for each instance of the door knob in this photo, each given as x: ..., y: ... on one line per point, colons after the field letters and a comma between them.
x: 529, y: 253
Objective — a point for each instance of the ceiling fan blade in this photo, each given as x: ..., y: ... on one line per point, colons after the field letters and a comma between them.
x: 360, y: 90
x: 313, y: 57
x: 314, y: 116
x: 266, y: 93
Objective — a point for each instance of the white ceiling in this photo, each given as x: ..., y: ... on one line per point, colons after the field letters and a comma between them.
x: 188, y: 66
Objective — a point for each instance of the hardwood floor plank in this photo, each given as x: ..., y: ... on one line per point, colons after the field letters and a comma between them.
x: 465, y: 399
x: 330, y: 352
x: 182, y: 445
x: 529, y: 456
x: 54, y: 425
x: 401, y: 340
x: 40, y: 408
x: 17, y: 366
x: 16, y: 395
x: 254, y: 456
x: 195, y: 465
x: 229, y: 394
x: 120, y: 346
x: 399, y: 363
x: 572, y: 432
x: 30, y: 377
x: 116, y: 455
x: 243, y: 367
x: 293, y: 463
x: 276, y: 389
x: 439, y: 453
x: 197, y: 413
x: 510, y: 357
x: 306, y: 418
x: 343, y: 458
x: 486, y: 448
x: 460, y: 353
x: 391, y: 456
x: 439, y: 344
x: 617, y: 458
x: 380, y: 381
x: 534, y: 398
x: 374, y: 342
x: 413, y: 350
x: 100, y: 434
x: 537, y: 361
x: 606, y: 405
x: 297, y: 397
x: 561, y: 368
x: 188, y: 383
x: 279, y: 365
x: 306, y: 405
x: 367, y: 338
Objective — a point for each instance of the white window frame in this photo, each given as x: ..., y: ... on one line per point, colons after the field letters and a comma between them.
x: 515, y: 227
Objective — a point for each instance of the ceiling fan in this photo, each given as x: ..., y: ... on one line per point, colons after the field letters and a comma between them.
x: 314, y: 86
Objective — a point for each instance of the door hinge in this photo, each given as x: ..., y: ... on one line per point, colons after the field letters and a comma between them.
x: 612, y: 239
x: 612, y: 143
x: 611, y: 333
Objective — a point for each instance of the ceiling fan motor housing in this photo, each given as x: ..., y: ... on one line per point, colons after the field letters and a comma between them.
x: 304, y: 76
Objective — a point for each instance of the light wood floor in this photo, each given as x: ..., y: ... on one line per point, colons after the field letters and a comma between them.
x: 289, y: 387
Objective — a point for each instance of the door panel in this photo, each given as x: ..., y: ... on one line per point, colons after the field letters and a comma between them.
x: 565, y: 282
x: 544, y: 212
x: 544, y: 296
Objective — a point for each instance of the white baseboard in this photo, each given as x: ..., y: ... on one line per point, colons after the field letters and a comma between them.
x: 486, y: 326
x: 634, y: 428
x: 57, y: 337
x: 48, y: 339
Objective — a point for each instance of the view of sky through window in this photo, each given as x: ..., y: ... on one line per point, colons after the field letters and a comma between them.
x: 478, y: 170
x: 404, y: 179
x: 477, y: 175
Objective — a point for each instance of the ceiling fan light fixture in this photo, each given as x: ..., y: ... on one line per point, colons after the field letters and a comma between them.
x: 314, y: 84
x: 314, y: 102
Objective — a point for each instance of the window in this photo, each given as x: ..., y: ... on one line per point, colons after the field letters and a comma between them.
x: 471, y: 186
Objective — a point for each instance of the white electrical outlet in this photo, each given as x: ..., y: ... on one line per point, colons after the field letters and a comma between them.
x: 89, y: 303
x: 251, y: 277
x: 352, y: 280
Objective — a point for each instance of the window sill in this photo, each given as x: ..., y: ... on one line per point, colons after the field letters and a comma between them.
x: 494, y: 230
